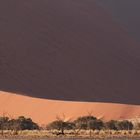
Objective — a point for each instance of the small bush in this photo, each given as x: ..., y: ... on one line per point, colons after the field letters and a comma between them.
x: 124, y: 125
x: 60, y: 126
x: 111, y: 125
x: 84, y: 122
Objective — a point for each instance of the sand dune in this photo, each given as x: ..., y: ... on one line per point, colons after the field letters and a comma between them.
x: 67, y: 50
x: 126, y: 13
x: 43, y: 111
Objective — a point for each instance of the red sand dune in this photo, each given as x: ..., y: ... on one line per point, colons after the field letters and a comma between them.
x: 67, y: 50
x: 43, y: 111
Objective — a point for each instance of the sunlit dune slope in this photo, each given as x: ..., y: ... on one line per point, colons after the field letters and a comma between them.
x: 43, y: 111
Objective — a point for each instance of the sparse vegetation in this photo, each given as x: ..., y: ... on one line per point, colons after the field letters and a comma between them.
x: 21, y: 123
x: 83, y: 126
x: 111, y: 125
x: 60, y: 126
x: 124, y: 125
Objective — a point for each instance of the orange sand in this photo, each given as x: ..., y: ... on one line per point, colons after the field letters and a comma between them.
x: 44, y: 111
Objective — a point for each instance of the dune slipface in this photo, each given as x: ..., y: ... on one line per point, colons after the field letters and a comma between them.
x: 67, y: 50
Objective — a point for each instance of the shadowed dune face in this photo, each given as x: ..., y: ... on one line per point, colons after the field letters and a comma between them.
x: 67, y: 50
x: 126, y: 13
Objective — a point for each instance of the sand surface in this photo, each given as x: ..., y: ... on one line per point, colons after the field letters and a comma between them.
x: 67, y: 50
x: 43, y: 110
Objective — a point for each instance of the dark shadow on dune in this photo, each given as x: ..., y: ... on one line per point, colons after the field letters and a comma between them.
x: 126, y: 13
x: 67, y: 50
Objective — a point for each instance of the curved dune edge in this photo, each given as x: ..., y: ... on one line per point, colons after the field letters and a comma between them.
x: 43, y: 111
